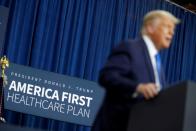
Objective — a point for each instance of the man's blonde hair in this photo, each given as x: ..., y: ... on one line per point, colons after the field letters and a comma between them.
x: 158, y: 14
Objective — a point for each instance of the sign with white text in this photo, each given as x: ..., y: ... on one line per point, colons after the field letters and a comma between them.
x: 52, y: 95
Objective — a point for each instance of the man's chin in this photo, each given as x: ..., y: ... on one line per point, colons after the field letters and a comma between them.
x: 167, y: 45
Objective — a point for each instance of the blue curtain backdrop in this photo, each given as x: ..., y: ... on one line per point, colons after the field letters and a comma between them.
x: 74, y: 37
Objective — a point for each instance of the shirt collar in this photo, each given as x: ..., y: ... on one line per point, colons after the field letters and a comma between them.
x: 150, y: 45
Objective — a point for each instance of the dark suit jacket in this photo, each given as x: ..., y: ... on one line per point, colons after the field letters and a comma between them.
x: 128, y: 65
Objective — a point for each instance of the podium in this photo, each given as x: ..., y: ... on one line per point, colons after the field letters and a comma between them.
x: 174, y: 109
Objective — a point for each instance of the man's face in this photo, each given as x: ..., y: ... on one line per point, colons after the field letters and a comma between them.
x: 162, y: 33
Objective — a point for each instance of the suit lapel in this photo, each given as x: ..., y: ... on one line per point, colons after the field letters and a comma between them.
x: 147, y: 60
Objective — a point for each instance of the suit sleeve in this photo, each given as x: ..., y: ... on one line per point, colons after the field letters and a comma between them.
x: 117, y: 75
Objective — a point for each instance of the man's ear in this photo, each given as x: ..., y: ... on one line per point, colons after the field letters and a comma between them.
x: 150, y: 28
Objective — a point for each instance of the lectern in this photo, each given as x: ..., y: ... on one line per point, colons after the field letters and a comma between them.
x: 173, y: 110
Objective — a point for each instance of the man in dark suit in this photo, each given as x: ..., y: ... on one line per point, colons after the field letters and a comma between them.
x: 133, y: 71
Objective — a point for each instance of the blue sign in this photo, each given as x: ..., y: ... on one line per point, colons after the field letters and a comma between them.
x: 52, y: 95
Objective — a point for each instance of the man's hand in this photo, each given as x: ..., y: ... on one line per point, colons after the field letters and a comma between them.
x: 148, y: 90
